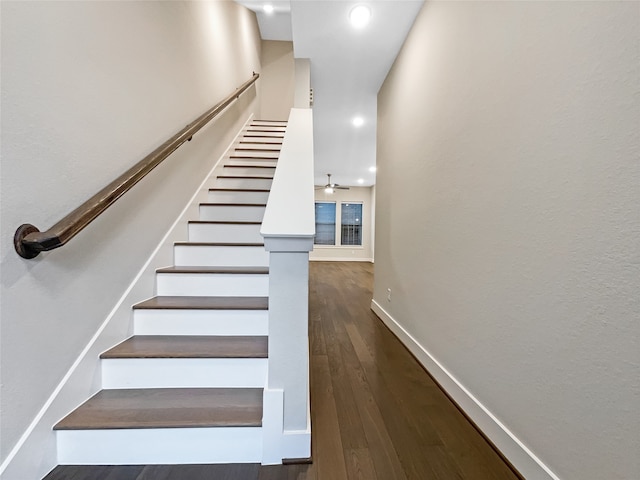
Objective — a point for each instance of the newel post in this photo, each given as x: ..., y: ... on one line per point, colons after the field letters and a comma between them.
x: 288, y: 325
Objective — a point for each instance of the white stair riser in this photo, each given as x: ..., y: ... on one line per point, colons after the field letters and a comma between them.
x: 251, y: 155
x: 254, y: 183
x: 269, y: 128
x: 229, y: 213
x: 200, y: 322
x: 224, y: 232
x: 160, y: 446
x: 276, y: 123
x: 248, y: 170
x: 183, y: 372
x: 220, y: 256
x: 249, y: 161
x: 262, y: 137
x: 217, y: 196
x: 261, y: 141
x: 212, y: 284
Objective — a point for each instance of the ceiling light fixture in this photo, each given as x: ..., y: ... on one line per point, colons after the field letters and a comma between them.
x: 268, y: 9
x: 328, y: 190
x: 372, y: 169
x: 361, y: 181
x: 360, y: 16
x: 357, y: 121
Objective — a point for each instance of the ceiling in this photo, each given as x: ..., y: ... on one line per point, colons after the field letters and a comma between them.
x: 348, y: 66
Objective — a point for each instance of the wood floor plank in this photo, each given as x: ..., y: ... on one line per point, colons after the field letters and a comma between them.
x: 342, y: 358
x: 318, y: 346
x: 383, y: 452
x: 330, y: 459
x: 200, y: 472
x: 95, y: 472
x: 287, y: 472
x: 124, y: 472
x: 359, y: 464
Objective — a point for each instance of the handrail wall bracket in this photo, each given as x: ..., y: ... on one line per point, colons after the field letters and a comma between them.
x: 29, y: 241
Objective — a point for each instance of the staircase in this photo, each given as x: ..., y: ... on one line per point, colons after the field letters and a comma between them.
x: 188, y: 386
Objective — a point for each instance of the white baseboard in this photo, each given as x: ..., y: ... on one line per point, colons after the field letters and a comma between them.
x: 340, y: 259
x: 296, y: 444
x: 523, y: 459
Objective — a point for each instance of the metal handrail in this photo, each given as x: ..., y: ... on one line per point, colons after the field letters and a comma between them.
x: 29, y: 241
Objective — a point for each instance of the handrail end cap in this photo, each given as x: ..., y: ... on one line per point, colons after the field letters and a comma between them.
x: 22, y: 249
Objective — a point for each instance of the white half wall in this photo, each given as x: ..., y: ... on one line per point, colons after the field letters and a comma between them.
x: 88, y: 89
x: 508, y: 223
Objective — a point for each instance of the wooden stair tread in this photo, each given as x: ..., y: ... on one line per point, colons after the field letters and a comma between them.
x: 260, y: 130
x: 262, y: 190
x: 259, y: 143
x: 217, y: 244
x: 250, y: 166
x: 245, y: 177
x: 222, y: 222
x: 184, y: 346
x: 252, y: 157
x: 247, y: 149
x: 262, y: 136
x: 167, y: 408
x: 206, y: 270
x: 219, y: 204
x: 204, y: 303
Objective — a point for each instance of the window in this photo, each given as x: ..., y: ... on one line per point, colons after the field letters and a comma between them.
x: 349, y: 232
x: 351, y: 224
x: 325, y: 223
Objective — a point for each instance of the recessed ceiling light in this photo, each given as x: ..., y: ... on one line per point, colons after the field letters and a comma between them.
x: 360, y: 16
x: 361, y: 181
x: 372, y: 169
x: 268, y: 9
x: 357, y: 121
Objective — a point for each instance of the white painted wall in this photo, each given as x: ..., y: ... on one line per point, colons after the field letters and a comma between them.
x: 508, y: 222
x: 354, y: 253
x: 278, y: 83
x: 89, y: 88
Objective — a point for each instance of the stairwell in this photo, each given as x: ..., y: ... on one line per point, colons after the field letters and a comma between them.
x: 188, y: 386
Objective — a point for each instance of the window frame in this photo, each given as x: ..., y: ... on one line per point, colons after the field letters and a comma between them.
x: 338, y: 226
x: 354, y: 226
x: 335, y: 217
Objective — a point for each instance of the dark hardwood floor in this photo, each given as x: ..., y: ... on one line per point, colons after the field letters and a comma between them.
x: 377, y: 415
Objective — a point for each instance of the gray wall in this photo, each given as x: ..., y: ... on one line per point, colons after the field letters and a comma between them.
x: 508, y: 219
x: 278, y: 80
x: 88, y: 89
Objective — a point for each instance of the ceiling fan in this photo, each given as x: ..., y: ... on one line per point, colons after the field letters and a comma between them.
x: 331, y: 187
